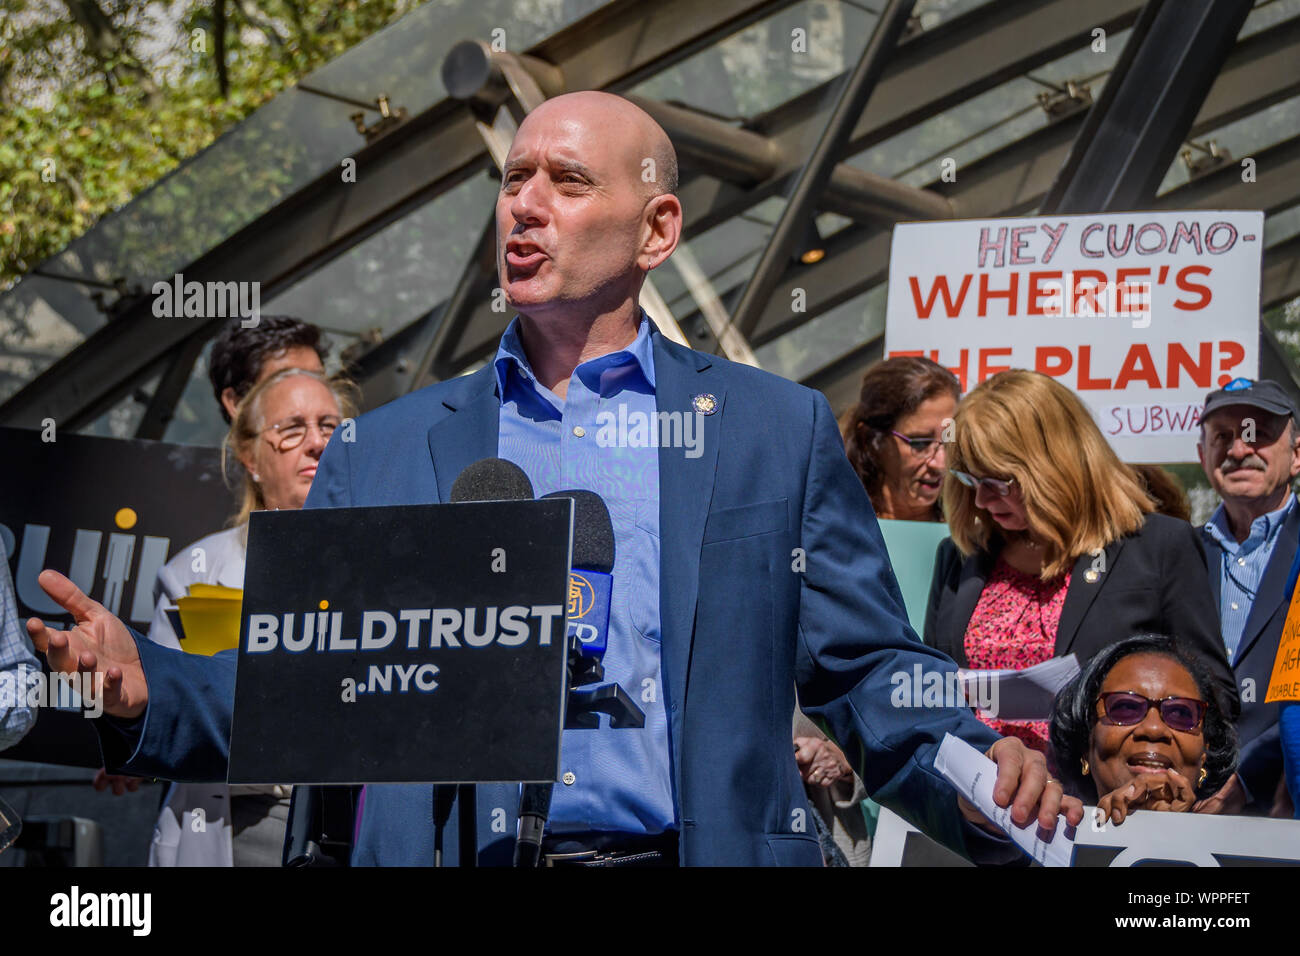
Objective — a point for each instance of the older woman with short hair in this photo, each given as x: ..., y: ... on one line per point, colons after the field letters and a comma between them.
x: 1055, y: 548
x: 1143, y: 727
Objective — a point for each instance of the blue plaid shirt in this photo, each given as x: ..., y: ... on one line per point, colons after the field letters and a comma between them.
x: 18, y: 664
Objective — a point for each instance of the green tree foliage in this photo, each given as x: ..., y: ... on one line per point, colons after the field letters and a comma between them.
x: 101, y: 98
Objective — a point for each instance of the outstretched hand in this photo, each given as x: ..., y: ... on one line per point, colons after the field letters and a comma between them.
x: 1025, y: 786
x: 99, y: 643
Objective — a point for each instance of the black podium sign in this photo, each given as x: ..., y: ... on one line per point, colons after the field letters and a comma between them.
x: 421, y: 643
x: 108, y: 513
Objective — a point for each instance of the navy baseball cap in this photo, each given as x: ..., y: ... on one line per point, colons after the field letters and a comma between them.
x: 1264, y: 393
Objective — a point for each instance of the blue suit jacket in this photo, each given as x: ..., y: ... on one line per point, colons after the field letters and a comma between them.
x: 774, y: 576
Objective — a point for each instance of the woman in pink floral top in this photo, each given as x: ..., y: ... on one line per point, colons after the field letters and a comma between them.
x: 1054, y: 548
x: 1014, y: 627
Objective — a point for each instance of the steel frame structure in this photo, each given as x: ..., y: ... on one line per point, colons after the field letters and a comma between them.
x: 729, y: 169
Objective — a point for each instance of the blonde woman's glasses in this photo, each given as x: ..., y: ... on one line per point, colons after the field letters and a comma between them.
x: 999, y: 486
x: 292, y: 432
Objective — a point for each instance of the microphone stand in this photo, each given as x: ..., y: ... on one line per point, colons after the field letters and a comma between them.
x: 581, y: 711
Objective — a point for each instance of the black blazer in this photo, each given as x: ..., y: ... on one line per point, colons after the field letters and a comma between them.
x: 1154, y: 580
x: 1261, y: 749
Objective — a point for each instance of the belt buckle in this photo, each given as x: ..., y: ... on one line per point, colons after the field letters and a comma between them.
x: 580, y: 856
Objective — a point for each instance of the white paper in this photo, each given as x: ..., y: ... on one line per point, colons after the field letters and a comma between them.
x: 1019, y: 695
x: 974, y: 776
x: 1145, y: 837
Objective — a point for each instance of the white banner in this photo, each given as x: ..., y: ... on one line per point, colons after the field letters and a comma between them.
x: 1145, y: 837
x: 1141, y: 314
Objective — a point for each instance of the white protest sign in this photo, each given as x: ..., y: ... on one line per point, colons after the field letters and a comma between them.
x: 1141, y: 314
x: 1144, y: 838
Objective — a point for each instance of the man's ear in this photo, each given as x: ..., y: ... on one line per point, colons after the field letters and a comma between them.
x: 663, y: 230
x: 229, y: 401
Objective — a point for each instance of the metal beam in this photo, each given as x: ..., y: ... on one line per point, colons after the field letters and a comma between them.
x: 1280, y: 281
x: 1151, y: 98
x: 816, y: 172
x: 1264, y: 61
x: 153, y: 424
x: 743, y: 158
x: 1010, y: 181
x: 294, y: 238
x: 929, y: 74
x: 1014, y: 180
x: 432, y: 152
x: 1276, y: 184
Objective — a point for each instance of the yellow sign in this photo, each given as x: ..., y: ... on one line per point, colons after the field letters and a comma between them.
x: 1284, y: 684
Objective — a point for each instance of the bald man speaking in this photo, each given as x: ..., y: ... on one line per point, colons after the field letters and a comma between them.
x: 749, y: 561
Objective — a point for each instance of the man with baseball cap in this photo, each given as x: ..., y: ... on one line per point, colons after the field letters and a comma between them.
x: 1250, y: 450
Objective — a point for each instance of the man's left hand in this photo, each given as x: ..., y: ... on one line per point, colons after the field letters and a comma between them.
x: 1024, y: 785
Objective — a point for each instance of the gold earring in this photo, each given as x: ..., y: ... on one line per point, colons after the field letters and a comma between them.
x: 1201, y: 780
x: 1084, y: 762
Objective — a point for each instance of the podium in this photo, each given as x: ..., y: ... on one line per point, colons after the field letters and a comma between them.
x: 406, y: 644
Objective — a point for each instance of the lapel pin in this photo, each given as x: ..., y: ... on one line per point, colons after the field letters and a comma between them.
x: 705, y: 403
x: 1091, y: 575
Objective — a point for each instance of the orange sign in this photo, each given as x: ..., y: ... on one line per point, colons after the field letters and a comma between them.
x: 1284, y: 684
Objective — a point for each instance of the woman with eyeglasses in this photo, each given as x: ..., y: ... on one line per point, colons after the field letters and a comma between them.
x: 1143, y: 727
x: 277, y: 435
x: 894, y: 435
x: 1055, y: 548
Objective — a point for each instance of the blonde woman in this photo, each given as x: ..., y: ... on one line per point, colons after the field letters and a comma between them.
x: 278, y: 434
x: 1055, y: 546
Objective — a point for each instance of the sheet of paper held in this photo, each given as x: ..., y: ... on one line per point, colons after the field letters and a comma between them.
x: 974, y: 775
x: 1019, y: 695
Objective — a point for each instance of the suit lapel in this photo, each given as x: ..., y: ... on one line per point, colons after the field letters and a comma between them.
x: 1214, y: 558
x: 1272, y: 588
x: 469, y: 432
x: 685, y: 492
x: 1082, y: 592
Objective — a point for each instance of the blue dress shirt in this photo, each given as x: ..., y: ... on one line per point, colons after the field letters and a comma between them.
x: 1243, y: 566
x: 609, y: 779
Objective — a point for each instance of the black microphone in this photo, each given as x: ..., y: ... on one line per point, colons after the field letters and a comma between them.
x: 591, y: 579
x: 488, y: 479
x: 492, y: 479
x: 590, y: 589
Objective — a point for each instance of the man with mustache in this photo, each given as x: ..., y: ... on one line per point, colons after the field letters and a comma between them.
x: 1250, y: 450
x: 750, y: 568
